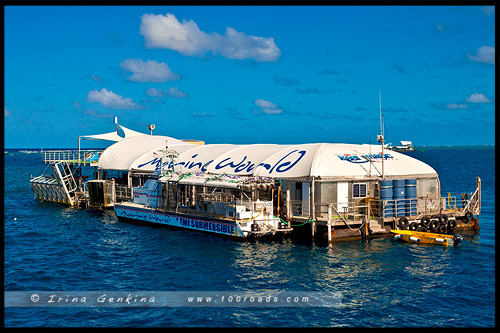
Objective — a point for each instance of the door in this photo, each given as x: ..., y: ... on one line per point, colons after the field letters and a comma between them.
x: 342, y: 196
x: 298, y: 198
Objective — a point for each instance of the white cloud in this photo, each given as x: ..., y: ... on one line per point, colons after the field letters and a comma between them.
x: 171, y: 92
x: 267, y: 107
x: 455, y: 106
x: 153, y: 92
x: 110, y: 100
x: 478, y: 98
x: 148, y: 71
x: 185, y: 37
x: 485, y: 54
x: 176, y: 92
x: 262, y: 103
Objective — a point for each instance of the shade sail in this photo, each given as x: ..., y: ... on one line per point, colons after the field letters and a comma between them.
x: 112, y: 136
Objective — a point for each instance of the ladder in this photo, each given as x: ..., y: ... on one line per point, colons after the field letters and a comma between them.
x: 64, y: 177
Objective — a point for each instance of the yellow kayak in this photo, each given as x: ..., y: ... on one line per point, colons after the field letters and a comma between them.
x: 426, y: 237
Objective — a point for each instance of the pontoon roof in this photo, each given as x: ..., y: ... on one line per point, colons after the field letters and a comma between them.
x: 270, y: 160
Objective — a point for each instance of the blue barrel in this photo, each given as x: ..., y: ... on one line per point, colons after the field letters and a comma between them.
x: 386, y: 189
x: 411, y: 189
x: 398, y: 193
x: 411, y: 193
x: 386, y: 194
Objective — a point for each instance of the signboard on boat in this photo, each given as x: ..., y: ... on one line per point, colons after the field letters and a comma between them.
x: 151, y: 216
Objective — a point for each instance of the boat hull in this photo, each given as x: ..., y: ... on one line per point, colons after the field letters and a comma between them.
x: 144, y: 215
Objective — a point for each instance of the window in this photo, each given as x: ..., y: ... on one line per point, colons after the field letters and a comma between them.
x: 359, y: 190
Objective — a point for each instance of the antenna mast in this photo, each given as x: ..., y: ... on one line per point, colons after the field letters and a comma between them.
x: 380, y: 138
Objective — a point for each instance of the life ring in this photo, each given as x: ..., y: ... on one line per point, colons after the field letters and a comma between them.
x: 452, y: 224
x: 403, y: 223
x: 443, y: 219
x: 426, y: 221
x: 413, y: 226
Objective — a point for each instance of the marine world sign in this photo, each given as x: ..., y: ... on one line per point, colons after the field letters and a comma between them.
x: 242, y: 165
x: 353, y: 158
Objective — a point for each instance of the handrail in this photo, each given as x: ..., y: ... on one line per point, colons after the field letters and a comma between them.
x: 343, y: 219
x: 473, y: 200
x: 338, y: 214
x: 451, y: 200
x: 70, y: 156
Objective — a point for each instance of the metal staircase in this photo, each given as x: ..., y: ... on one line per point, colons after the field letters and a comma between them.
x: 64, y: 177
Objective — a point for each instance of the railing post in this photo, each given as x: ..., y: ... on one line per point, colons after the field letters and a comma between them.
x: 329, y: 223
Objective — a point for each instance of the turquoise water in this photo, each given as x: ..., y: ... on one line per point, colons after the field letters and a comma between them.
x: 383, y: 283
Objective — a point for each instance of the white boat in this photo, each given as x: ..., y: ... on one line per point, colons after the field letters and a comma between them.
x: 405, y: 146
x: 234, y: 206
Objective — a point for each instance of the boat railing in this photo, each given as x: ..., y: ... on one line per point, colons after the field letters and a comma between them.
x: 348, y: 212
x: 73, y: 157
x: 123, y: 192
x: 464, y: 201
x: 474, y: 204
x: 354, y: 212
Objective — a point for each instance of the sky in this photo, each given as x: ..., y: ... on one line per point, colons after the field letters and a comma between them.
x: 250, y: 74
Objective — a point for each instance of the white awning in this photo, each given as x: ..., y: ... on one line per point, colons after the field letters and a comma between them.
x: 130, y: 133
x: 113, y: 136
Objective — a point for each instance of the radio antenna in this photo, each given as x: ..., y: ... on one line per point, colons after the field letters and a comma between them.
x: 380, y: 138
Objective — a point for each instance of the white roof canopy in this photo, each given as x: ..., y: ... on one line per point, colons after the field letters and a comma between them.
x: 121, y: 155
x: 269, y: 160
x: 112, y: 136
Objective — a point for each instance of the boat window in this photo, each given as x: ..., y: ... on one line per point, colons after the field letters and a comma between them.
x: 359, y: 190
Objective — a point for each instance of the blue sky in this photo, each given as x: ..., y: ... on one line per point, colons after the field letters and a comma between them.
x: 261, y: 74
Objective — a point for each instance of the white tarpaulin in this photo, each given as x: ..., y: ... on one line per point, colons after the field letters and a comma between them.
x: 112, y: 136
x: 120, y: 155
x: 141, y: 152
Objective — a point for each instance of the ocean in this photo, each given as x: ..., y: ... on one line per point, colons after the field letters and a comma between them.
x: 382, y: 282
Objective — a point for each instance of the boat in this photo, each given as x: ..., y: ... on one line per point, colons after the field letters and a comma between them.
x: 405, y: 146
x: 427, y: 237
x: 238, y: 207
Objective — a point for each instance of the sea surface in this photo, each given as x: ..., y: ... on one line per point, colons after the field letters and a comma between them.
x: 383, y: 282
